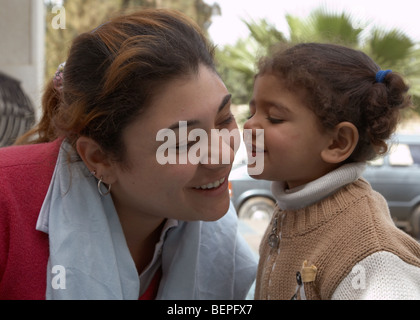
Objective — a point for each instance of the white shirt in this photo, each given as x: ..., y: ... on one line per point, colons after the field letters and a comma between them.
x: 149, y: 272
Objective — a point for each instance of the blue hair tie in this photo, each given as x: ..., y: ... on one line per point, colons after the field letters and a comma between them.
x: 381, y: 74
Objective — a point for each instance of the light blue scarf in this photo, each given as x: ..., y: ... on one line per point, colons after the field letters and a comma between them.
x: 89, y: 257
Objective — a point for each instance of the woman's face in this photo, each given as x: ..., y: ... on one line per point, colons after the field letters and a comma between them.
x: 182, y: 189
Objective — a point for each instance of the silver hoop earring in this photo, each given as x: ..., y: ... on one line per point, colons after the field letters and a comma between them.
x: 107, y: 192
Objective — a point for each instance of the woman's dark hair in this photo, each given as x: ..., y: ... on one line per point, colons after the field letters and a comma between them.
x: 113, y: 72
x: 338, y: 84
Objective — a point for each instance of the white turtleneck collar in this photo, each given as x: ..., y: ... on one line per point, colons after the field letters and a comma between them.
x: 314, y: 191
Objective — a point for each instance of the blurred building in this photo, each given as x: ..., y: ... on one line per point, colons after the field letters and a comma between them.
x: 22, y: 34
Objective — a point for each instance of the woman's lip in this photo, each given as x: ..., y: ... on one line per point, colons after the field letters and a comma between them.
x: 211, y: 185
x: 213, y: 191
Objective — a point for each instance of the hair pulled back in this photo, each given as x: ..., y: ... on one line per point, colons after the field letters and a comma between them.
x: 113, y: 72
x: 338, y: 85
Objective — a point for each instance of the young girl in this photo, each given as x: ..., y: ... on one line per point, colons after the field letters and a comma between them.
x: 325, y: 111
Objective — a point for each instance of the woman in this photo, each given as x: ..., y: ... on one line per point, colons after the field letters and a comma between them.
x: 111, y: 221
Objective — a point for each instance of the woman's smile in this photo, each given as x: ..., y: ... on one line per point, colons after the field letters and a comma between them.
x: 213, y: 189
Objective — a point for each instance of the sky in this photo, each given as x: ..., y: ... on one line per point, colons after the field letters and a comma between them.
x: 387, y: 14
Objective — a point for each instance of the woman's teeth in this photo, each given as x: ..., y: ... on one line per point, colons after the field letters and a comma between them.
x: 211, y: 185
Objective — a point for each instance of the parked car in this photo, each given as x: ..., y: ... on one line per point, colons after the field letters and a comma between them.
x: 252, y: 198
x: 396, y: 176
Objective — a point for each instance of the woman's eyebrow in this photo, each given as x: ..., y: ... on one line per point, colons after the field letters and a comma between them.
x: 177, y: 125
x: 222, y: 105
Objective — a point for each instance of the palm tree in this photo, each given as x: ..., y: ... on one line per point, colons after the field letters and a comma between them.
x: 322, y: 26
x: 390, y: 49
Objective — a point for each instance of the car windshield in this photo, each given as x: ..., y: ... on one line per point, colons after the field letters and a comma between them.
x: 401, y: 155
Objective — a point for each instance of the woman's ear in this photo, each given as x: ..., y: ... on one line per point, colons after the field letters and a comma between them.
x: 96, y: 160
x: 344, y: 139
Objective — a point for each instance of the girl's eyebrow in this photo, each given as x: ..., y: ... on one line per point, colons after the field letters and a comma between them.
x: 275, y: 104
x: 280, y: 106
x: 223, y: 104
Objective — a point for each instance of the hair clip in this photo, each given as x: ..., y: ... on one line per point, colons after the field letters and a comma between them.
x: 59, y: 77
x: 98, y: 27
x: 381, y: 74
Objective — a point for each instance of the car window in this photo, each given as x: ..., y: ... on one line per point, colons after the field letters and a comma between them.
x: 415, y: 154
x: 401, y: 155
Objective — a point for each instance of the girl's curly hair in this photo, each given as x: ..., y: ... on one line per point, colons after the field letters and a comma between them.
x: 339, y: 85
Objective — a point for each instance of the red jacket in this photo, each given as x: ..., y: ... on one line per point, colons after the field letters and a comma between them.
x: 25, y: 175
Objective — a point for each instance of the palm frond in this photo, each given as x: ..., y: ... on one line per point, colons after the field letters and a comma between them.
x: 389, y: 47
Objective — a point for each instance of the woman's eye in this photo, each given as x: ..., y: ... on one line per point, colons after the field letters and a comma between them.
x: 185, y: 147
x: 228, y: 120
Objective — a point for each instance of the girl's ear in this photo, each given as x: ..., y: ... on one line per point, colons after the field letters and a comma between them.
x: 344, y: 139
x: 95, y: 159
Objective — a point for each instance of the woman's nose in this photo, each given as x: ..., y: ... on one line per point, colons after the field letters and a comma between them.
x: 222, y: 147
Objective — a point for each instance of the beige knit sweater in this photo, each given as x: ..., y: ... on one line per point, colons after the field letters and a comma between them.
x: 334, y: 235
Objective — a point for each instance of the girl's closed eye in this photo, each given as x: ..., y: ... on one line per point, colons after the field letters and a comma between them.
x: 275, y: 120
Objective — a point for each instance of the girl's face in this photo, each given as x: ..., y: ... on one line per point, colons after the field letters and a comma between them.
x: 293, y: 140
x: 175, y: 190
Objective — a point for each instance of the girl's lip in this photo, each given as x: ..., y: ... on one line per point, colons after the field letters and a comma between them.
x: 256, y: 149
x: 253, y: 149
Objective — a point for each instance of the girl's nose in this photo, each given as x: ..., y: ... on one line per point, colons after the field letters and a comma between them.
x: 253, y: 123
